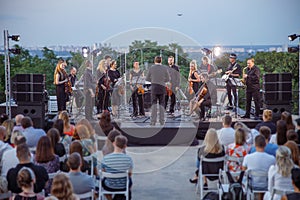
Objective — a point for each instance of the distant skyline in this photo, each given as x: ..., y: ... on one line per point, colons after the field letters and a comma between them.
x: 199, y: 22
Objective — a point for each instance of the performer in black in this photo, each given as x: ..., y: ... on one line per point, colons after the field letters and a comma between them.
x: 89, y: 88
x: 137, y: 96
x: 72, y: 76
x: 61, y: 81
x: 205, y: 97
x: 173, y: 86
x: 233, y: 71
x: 251, y: 80
x: 194, y: 79
x: 114, y: 76
x: 158, y: 75
x: 102, y: 88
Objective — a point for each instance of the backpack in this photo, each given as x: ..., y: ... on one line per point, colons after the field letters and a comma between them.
x: 235, y: 191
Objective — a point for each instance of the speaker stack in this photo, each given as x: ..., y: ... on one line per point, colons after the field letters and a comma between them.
x: 277, y: 91
x: 29, y: 93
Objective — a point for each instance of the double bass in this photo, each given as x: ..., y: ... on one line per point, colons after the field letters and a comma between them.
x: 200, y: 96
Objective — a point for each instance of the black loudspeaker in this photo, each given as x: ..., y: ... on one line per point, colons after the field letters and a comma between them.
x: 278, y: 108
x: 35, y: 112
x: 147, y: 100
x: 277, y: 89
x: 28, y: 88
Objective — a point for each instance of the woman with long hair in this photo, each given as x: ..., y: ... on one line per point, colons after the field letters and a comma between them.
x: 105, y: 123
x: 194, y: 79
x: 54, y: 137
x: 60, y: 81
x: 108, y: 146
x: 211, y: 148
x: 64, y: 139
x: 68, y: 127
x: 62, y: 188
x: 294, y: 150
x: 44, y: 156
x: 101, y: 99
x: 280, y: 137
x: 287, y: 117
x: 279, y: 175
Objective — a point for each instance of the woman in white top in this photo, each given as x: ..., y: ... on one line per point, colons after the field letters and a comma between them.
x: 279, y: 175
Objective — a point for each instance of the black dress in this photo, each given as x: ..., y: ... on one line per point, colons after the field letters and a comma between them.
x: 61, y: 95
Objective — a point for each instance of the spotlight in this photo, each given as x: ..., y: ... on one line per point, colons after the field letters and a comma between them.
x: 293, y: 37
x: 217, y: 51
x: 206, y: 51
x: 15, y: 37
x: 85, y: 51
x: 15, y: 51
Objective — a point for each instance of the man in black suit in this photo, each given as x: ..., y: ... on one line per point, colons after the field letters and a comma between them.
x: 175, y: 82
x: 158, y: 75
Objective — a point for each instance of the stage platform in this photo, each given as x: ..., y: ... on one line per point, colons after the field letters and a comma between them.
x: 178, y: 130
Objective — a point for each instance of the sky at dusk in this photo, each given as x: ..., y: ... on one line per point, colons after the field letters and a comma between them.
x: 205, y: 22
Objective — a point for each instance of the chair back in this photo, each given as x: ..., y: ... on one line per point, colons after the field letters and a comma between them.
x: 87, y: 195
x: 280, y: 192
x: 90, y: 160
x: 6, y: 195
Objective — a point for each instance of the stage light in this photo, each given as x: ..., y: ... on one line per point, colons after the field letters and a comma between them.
x: 15, y: 37
x: 15, y: 51
x: 217, y: 51
x: 293, y: 37
x: 85, y: 51
x: 206, y: 51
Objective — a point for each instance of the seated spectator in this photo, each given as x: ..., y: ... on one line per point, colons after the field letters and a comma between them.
x: 76, y: 147
x: 81, y: 182
x: 45, y: 157
x: 292, y: 135
x: 280, y: 137
x: 296, y: 185
x: 267, y: 121
x: 54, y: 137
x: 237, y: 149
x: 251, y: 163
x: 270, y: 148
x: 251, y: 133
x: 117, y: 162
x: 26, y: 180
x: 105, y: 123
x: 108, y: 146
x: 9, y: 159
x: 9, y: 125
x: 211, y: 148
x: 40, y: 172
x: 295, y: 151
x: 85, y: 139
x: 226, y: 134
x: 90, y: 128
x: 18, y: 125
x: 287, y: 117
x: 31, y: 134
x: 279, y: 175
x: 64, y: 139
x: 69, y: 128
x: 62, y: 188
x: 3, y: 146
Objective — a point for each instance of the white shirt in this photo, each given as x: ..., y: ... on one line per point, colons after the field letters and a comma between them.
x: 9, y: 160
x: 226, y: 135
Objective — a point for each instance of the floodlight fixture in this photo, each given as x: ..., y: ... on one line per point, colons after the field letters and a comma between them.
x: 85, y: 52
x: 217, y: 51
x: 206, y: 51
x: 293, y: 37
x: 15, y: 37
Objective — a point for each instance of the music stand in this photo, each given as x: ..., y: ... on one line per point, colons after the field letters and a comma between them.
x: 238, y: 83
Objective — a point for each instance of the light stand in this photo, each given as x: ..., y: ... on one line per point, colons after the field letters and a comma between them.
x: 7, y: 69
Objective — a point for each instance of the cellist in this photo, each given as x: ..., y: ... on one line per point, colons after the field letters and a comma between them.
x: 205, y: 97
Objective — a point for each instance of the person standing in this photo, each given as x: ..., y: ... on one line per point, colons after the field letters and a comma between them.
x: 174, y: 84
x: 251, y: 78
x: 61, y: 81
x: 233, y: 71
x: 158, y: 75
x: 89, y: 88
x: 101, y: 97
x: 72, y: 76
x: 114, y: 76
x: 194, y: 79
x: 137, y: 96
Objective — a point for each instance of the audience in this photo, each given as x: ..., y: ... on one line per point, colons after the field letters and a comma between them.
x: 292, y: 135
x: 26, y: 180
x: 88, y: 146
x: 9, y: 125
x: 64, y: 139
x: 105, y: 123
x: 279, y: 175
x: 117, y: 162
x: 296, y: 184
x: 295, y: 151
x: 226, y: 134
x: 238, y: 149
x: 54, y: 137
x: 68, y: 127
x: 287, y: 117
x: 32, y: 134
x: 251, y: 133
x: 40, y: 172
x: 3, y: 146
x: 18, y: 125
x: 62, y: 188
x: 280, y: 137
x: 267, y: 121
x: 108, y: 146
x: 81, y: 182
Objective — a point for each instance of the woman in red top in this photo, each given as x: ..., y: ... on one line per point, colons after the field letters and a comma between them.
x: 68, y: 127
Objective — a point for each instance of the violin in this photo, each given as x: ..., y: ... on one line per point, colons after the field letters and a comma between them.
x: 202, y: 93
x: 191, y: 90
x: 169, y: 90
x: 68, y: 84
x: 140, y: 89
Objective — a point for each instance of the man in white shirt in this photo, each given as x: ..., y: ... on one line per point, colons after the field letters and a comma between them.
x: 226, y: 134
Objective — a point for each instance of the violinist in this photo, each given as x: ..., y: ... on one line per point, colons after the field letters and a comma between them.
x: 174, y: 85
x: 101, y: 89
x: 114, y: 75
x: 137, y: 96
x: 205, y: 97
x: 89, y: 88
x: 61, y: 82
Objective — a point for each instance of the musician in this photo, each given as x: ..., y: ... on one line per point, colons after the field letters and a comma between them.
x: 72, y: 76
x: 206, y: 97
x: 173, y: 86
x: 107, y: 59
x: 102, y: 96
x: 61, y: 81
x: 251, y: 77
x: 233, y: 71
x: 89, y: 88
x: 137, y: 96
x: 158, y: 75
x: 194, y: 79
x: 206, y: 67
x: 114, y: 76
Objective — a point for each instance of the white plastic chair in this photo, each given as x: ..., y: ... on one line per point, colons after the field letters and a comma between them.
x: 102, y: 191
x: 212, y: 161
x: 280, y: 192
x: 6, y: 195
x: 90, y: 159
x: 260, y: 175
x: 87, y: 195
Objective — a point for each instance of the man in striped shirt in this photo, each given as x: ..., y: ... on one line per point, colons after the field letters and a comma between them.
x: 117, y: 162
